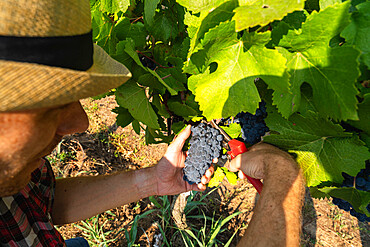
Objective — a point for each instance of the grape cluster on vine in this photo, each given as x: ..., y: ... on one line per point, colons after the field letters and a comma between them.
x: 253, y: 125
x: 148, y: 63
x: 205, y: 145
x: 361, y: 182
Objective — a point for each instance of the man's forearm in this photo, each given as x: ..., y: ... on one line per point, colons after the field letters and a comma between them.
x: 276, y: 219
x: 83, y: 197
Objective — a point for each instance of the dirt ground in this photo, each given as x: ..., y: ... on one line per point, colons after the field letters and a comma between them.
x: 105, y: 148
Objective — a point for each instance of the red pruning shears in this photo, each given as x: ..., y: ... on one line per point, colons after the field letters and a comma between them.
x: 235, y: 148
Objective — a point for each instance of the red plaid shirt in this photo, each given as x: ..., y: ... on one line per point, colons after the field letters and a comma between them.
x: 25, y: 217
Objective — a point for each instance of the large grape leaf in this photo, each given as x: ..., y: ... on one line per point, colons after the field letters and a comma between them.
x: 199, y: 26
x: 261, y: 12
x: 358, y: 199
x: 358, y: 31
x: 230, y: 88
x: 331, y: 72
x: 323, y: 149
x: 200, y: 5
x: 114, y: 6
x: 133, y: 98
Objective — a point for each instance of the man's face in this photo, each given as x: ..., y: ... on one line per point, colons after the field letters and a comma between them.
x: 27, y: 136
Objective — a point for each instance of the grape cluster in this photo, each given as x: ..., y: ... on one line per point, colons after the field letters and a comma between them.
x: 148, y: 63
x: 253, y: 126
x: 205, y: 145
x: 360, y: 182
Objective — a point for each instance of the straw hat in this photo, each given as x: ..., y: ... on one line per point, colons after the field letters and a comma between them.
x: 47, y: 57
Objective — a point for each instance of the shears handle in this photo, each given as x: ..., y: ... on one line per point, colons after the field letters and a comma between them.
x: 236, y: 148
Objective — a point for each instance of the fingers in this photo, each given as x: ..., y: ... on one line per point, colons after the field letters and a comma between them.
x: 235, y: 164
x: 179, y: 141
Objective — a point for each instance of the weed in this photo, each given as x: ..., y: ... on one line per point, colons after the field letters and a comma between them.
x: 131, y: 235
x: 204, y: 237
x: 94, y: 232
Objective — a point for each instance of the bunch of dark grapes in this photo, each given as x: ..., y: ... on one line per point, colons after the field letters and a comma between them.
x: 148, y: 63
x: 253, y: 126
x: 360, y: 182
x: 205, y: 145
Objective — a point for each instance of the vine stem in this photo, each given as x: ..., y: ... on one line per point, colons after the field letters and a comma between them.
x: 166, y: 76
x: 137, y: 19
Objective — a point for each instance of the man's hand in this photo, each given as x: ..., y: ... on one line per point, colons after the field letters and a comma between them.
x: 169, y: 169
x: 276, y: 218
x: 254, y: 162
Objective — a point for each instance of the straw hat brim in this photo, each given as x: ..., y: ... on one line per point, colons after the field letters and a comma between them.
x: 30, y: 86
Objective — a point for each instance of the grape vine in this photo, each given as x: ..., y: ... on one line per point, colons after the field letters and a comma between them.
x: 193, y: 60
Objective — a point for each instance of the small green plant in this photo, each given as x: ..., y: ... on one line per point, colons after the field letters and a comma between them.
x: 165, y: 215
x: 132, y: 233
x: 204, y: 237
x: 94, y: 232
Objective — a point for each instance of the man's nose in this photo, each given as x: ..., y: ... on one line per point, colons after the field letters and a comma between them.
x: 73, y: 119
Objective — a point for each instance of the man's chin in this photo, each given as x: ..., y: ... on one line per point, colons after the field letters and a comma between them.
x: 12, y: 183
x: 11, y: 190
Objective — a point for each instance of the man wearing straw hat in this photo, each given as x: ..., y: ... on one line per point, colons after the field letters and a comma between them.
x: 48, y: 63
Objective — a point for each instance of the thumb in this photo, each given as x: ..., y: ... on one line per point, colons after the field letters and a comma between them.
x: 179, y: 141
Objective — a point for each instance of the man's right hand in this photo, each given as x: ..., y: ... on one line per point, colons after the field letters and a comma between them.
x: 276, y: 218
x: 254, y: 162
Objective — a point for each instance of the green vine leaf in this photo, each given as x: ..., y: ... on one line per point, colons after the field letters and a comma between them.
x: 239, y: 63
x: 331, y: 72
x: 358, y: 199
x: 149, y: 10
x: 232, y: 178
x: 326, y: 3
x: 262, y: 12
x: 200, y: 5
x: 182, y: 110
x: 136, y: 31
x: 128, y: 46
x: 114, y: 6
x: 323, y: 149
x: 364, y: 115
x: 199, y: 26
x: 133, y: 98
x: 124, y: 117
x: 233, y: 130
x: 358, y: 31
x: 218, y: 177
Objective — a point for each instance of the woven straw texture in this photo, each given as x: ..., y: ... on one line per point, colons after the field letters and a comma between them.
x: 44, y: 18
x: 26, y: 86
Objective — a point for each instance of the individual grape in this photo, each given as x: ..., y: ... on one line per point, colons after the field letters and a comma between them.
x: 205, y: 145
x: 360, y: 182
x: 253, y: 126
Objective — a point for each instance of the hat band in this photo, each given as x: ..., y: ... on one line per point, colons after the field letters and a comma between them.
x: 72, y: 52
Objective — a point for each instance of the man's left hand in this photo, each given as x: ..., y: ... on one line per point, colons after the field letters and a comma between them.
x: 169, y: 169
